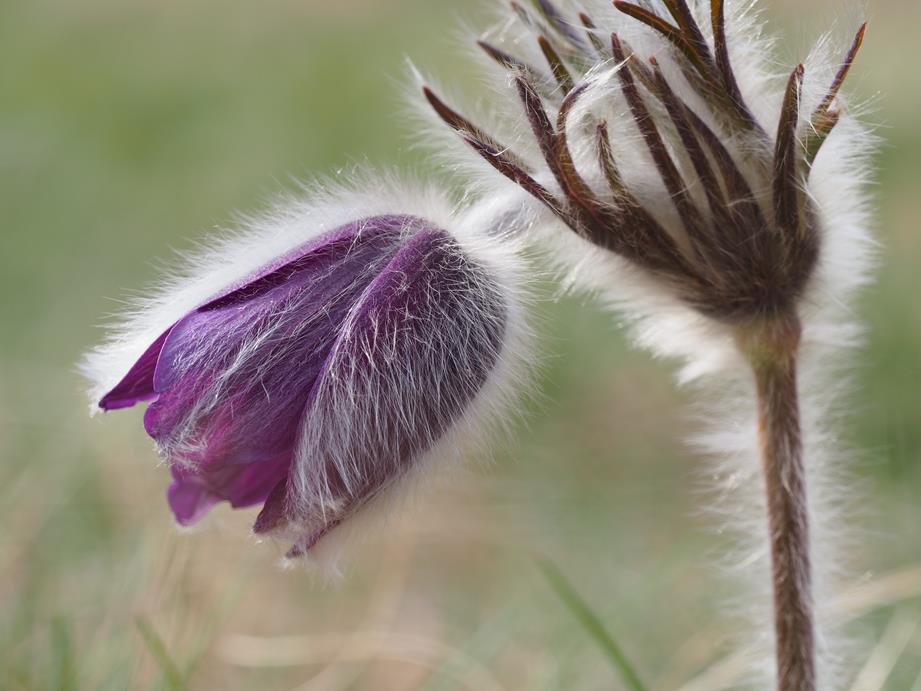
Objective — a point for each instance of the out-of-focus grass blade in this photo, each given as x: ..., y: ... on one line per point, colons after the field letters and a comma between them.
x: 484, y: 646
x: 580, y: 609
x: 62, y: 652
x: 899, y: 633
x: 155, y: 645
x: 917, y: 685
x: 215, y: 620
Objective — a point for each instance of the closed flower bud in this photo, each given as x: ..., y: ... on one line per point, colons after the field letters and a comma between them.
x: 317, y: 383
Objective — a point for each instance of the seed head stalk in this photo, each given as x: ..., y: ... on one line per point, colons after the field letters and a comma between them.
x: 772, y: 352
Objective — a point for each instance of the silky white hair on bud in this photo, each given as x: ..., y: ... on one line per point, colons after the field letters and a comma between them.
x: 487, y: 418
x: 239, y: 253
x: 232, y: 254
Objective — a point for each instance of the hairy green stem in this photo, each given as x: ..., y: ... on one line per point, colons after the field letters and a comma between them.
x: 772, y: 350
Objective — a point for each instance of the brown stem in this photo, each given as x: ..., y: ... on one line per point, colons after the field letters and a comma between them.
x: 772, y: 350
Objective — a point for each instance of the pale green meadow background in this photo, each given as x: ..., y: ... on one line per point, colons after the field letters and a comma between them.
x: 130, y: 127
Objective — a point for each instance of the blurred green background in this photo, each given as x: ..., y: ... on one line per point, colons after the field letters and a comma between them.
x: 129, y: 127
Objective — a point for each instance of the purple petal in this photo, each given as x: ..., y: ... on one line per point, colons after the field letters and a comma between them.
x: 230, y: 366
x: 328, y: 246
x: 193, y: 492
x: 137, y: 385
x: 275, y: 510
x: 416, y: 350
x: 233, y: 376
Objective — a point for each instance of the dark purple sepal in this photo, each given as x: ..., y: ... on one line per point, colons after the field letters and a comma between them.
x: 413, y: 354
x: 193, y: 492
x: 137, y: 385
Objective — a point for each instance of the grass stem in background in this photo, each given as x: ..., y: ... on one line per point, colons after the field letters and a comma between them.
x: 62, y: 651
x: 169, y: 669
x: 583, y: 613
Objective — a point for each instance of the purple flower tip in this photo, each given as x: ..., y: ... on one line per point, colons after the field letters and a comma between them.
x: 321, y: 380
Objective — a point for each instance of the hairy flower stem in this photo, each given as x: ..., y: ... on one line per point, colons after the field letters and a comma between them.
x: 772, y: 351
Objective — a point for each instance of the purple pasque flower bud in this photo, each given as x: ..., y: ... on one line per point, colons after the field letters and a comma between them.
x: 318, y: 382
